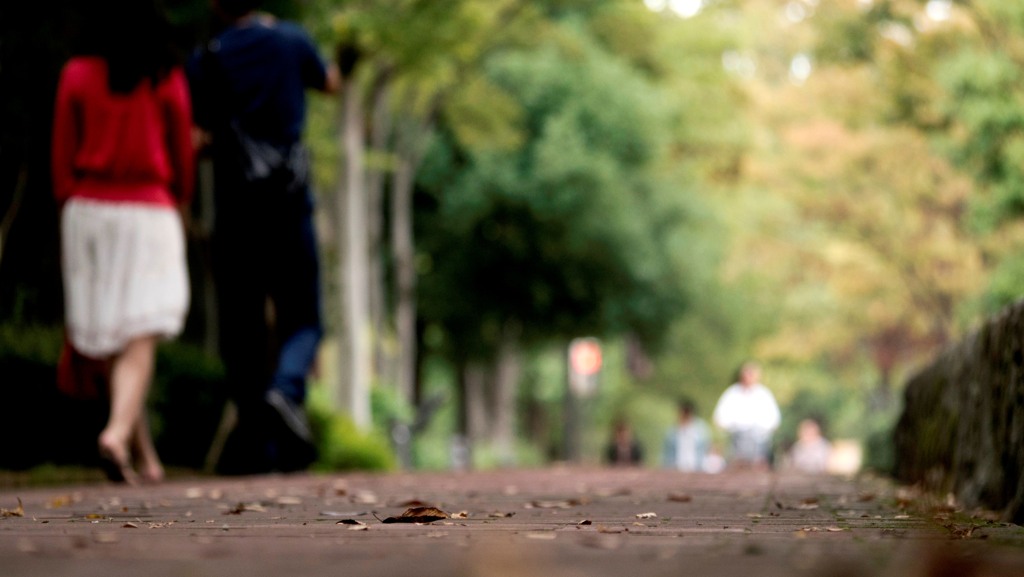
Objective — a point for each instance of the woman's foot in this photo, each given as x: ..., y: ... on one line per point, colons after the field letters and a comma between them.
x: 150, y: 472
x: 115, y: 460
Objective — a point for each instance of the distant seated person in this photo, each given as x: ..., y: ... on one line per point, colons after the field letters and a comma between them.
x: 811, y: 452
x: 686, y: 444
x: 623, y: 450
x: 747, y: 411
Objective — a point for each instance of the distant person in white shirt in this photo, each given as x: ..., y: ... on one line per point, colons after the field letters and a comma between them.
x: 686, y: 444
x: 747, y: 411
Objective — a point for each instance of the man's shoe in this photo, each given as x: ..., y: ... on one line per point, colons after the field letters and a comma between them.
x: 292, y: 415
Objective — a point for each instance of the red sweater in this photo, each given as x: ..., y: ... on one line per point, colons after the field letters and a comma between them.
x: 133, y: 147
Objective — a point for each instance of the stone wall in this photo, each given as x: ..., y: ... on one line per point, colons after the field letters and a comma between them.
x: 962, y: 428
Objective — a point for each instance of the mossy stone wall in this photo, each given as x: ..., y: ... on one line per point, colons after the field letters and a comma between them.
x: 962, y: 427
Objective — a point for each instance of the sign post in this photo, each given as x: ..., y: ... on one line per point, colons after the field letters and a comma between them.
x: 583, y: 369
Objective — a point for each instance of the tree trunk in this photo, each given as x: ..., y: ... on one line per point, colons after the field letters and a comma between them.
x: 380, y: 134
x: 404, y: 254
x: 507, y: 371
x: 409, y: 149
x: 474, y: 379
x: 354, y: 358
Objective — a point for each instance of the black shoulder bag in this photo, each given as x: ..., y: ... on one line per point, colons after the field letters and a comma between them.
x: 258, y: 162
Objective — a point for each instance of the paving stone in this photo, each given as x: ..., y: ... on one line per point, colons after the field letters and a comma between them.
x: 561, y: 521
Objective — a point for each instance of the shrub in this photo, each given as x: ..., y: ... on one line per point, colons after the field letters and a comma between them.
x: 340, y: 444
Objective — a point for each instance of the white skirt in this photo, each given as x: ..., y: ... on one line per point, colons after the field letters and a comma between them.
x: 125, y: 274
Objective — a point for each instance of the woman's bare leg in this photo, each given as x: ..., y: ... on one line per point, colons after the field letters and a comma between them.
x: 129, y: 386
x: 146, y: 458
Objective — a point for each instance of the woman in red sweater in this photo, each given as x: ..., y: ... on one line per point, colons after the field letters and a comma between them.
x: 123, y: 167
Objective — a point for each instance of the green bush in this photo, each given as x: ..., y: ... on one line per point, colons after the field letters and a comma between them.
x: 40, y: 424
x: 343, y: 447
x: 186, y: 402
x: 340, y: 444
x: 31, y: 343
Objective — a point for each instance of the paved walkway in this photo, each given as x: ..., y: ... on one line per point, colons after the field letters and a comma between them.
x: 564, y: 522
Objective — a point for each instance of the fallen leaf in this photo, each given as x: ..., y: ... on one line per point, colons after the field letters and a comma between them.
x: 18, y: 511
x: 680, y: 497
x: 500, y: 515
x: 460, y: 515
x: 418, y: 515
x: 95, y: 516
x: 129, y: 526
x: 585, y: 522
x: 603, y: 529
x: 62, y: 501
x: 243, y: 507
x: 834, y: 529
x: 349, y: 522
x: 651, y: 515
x: 961, y: 532
x: 359, y: 528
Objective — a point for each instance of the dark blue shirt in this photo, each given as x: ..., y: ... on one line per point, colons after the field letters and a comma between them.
x: 256, y: 73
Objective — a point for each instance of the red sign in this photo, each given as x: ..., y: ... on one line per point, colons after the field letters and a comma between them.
x: 585, y: 356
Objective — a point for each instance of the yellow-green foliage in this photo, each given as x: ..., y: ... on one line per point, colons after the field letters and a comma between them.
x: 340, y: 444
x: 343, y: 447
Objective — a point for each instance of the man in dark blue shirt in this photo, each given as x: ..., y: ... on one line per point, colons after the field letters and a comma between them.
x: 249, y: 87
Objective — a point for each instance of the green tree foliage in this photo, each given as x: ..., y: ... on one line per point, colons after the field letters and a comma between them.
x: 570, y: 233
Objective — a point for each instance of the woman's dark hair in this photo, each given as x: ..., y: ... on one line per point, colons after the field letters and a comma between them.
x: 134, y: 37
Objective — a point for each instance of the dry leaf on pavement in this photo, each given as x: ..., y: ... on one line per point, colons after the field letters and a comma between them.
x: 243, y: 507
x: 650, y: 515
x: 18, y: 511
x: 418, y: 515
